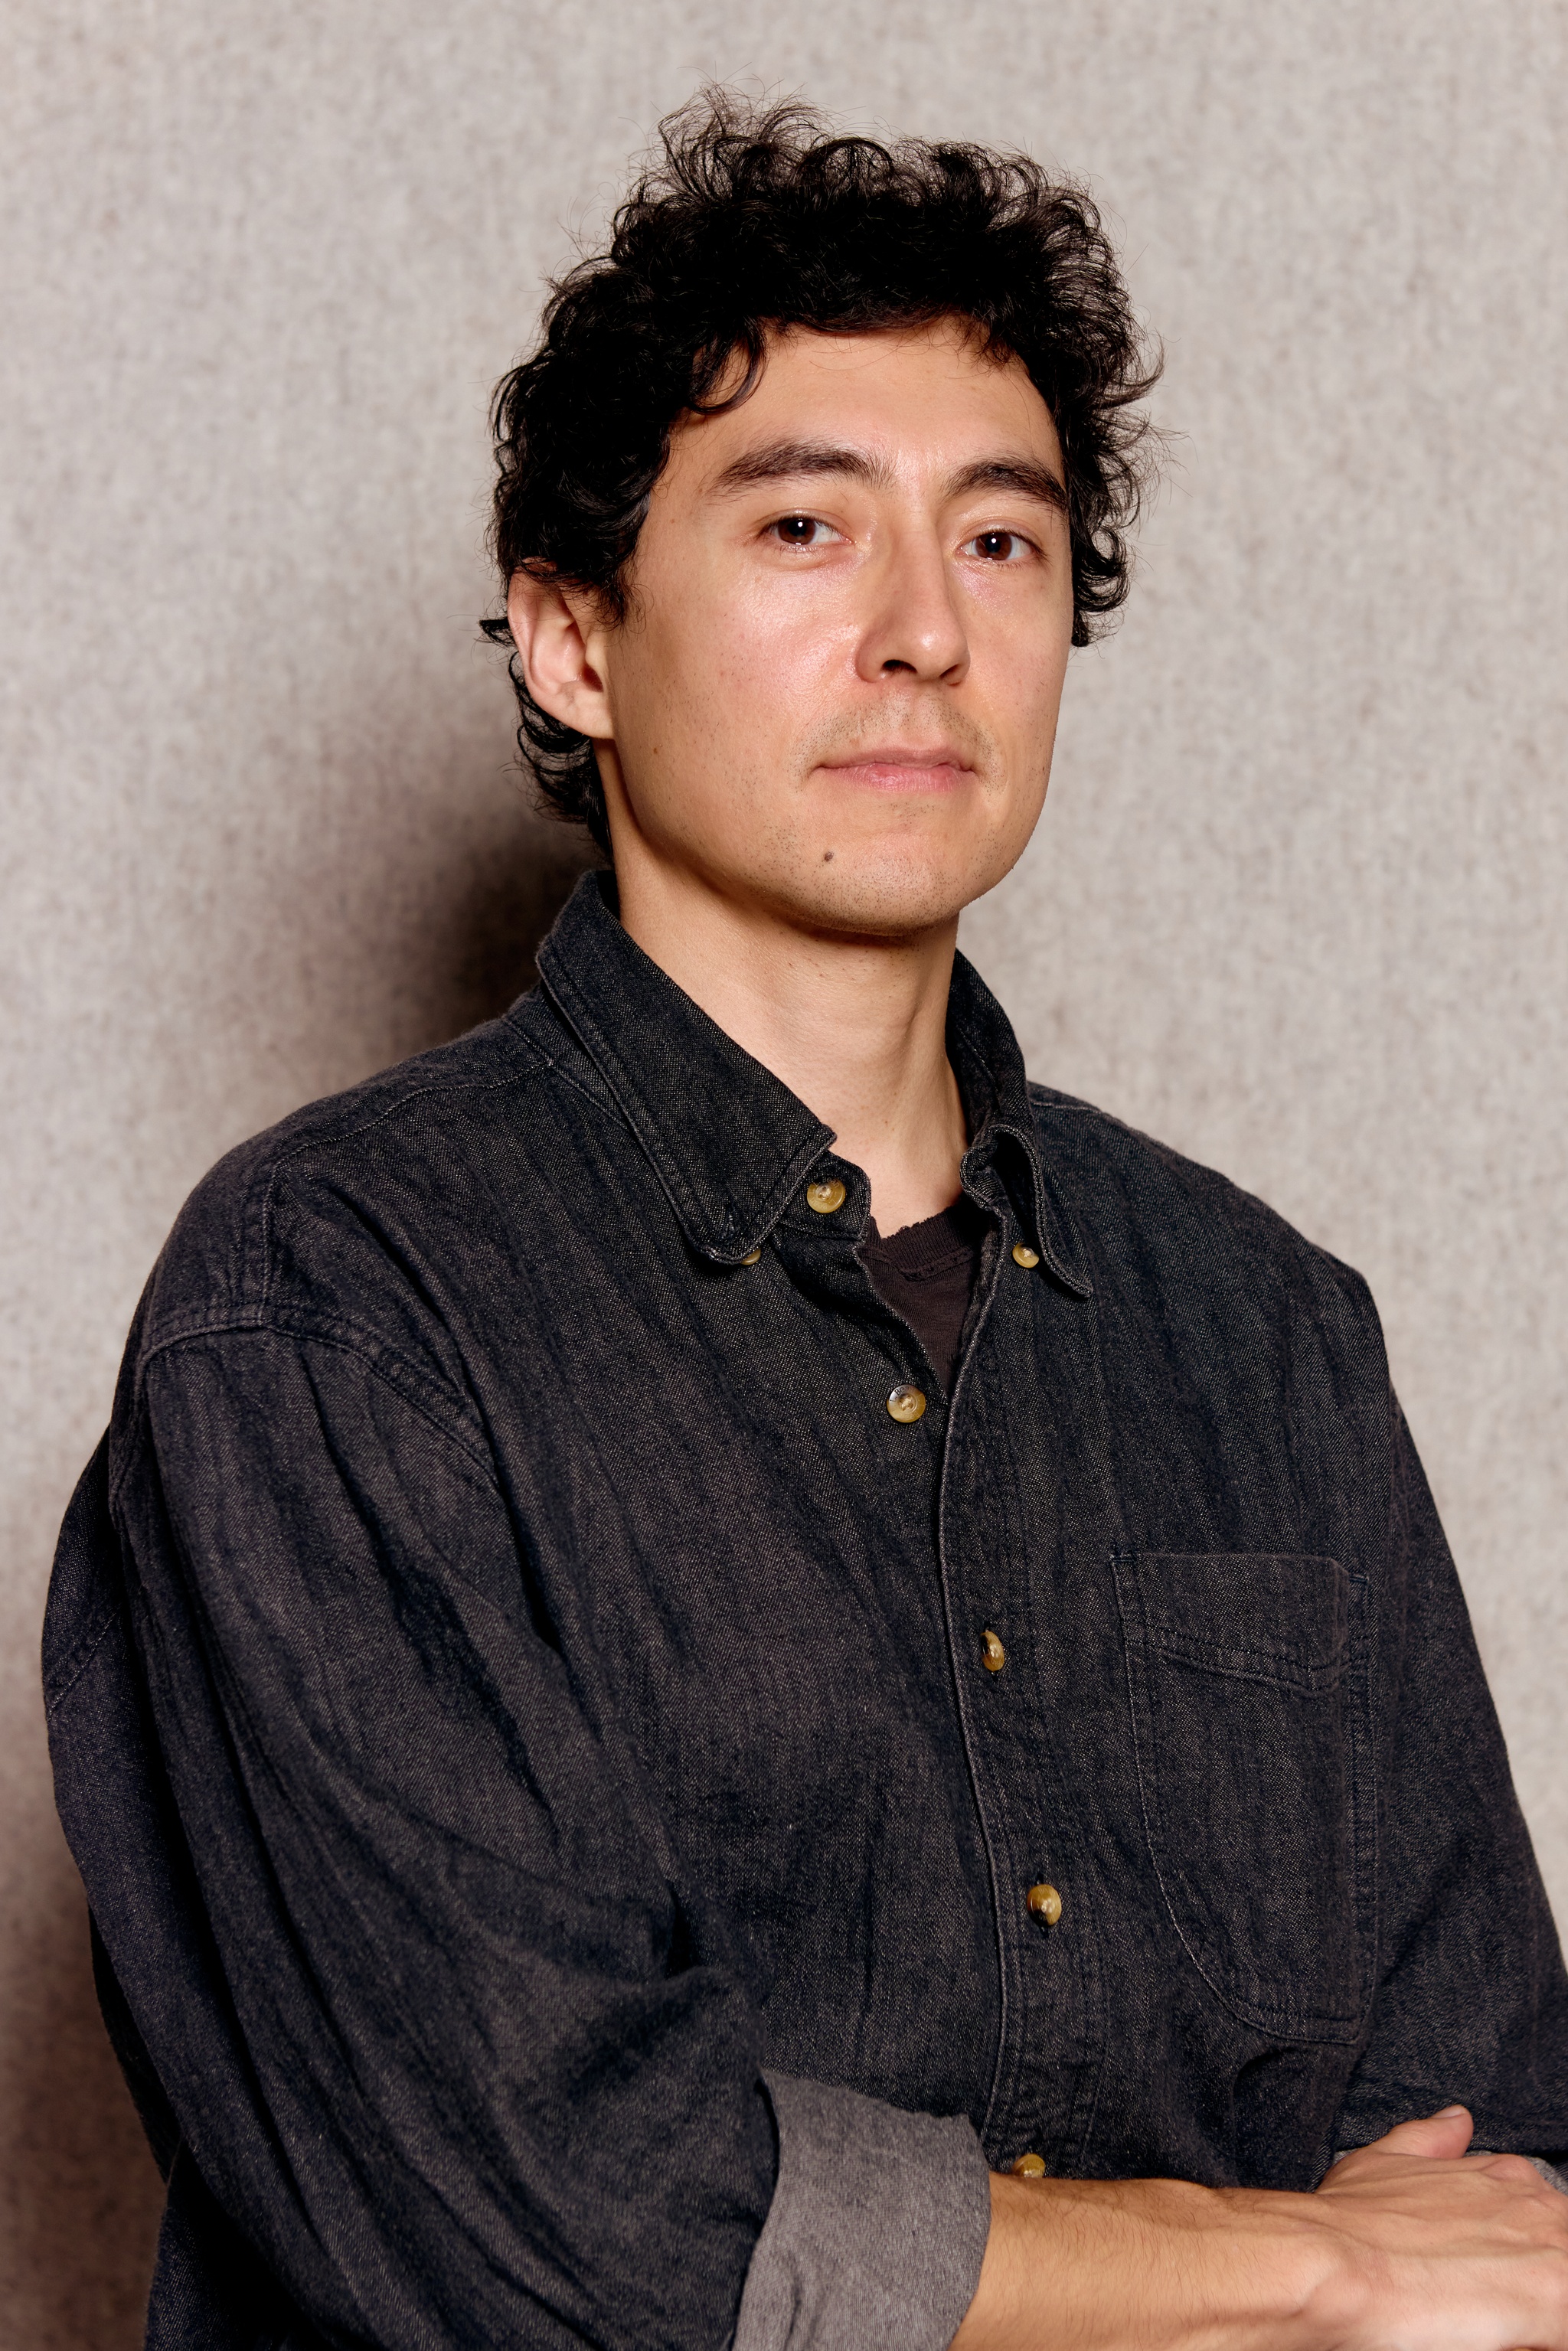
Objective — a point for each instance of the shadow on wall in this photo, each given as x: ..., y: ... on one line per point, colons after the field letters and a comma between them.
x: 87, y: 2197
x: 485, y: 958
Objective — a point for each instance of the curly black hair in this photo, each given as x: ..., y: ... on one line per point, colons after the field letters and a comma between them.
x: 758, y: 218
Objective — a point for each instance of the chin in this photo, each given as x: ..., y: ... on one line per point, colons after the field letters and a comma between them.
x: 883, y: 897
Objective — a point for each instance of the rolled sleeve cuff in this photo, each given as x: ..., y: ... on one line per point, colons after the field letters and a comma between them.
x: 876, y: 2231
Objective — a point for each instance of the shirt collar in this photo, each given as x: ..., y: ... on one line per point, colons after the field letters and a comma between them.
x: 730, y: 1143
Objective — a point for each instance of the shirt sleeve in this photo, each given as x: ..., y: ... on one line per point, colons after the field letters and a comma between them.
x: 877, y: 2229
x: 1472, y: 2003
x: 409, y: 1957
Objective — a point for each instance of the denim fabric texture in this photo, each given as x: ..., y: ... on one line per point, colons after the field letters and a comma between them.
x: 511, y: 1681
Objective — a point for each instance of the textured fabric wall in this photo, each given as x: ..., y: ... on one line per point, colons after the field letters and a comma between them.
x: 1295, y: 904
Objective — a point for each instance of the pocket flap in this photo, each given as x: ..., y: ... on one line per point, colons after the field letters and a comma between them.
x: 1265, y: 1615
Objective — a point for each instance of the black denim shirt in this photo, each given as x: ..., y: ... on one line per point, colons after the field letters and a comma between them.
x: 513, y: 1684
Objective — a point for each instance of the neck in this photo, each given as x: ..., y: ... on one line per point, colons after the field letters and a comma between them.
x: 854, y: 1026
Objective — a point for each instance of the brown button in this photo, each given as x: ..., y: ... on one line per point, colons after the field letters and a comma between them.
x: 751, y: 1256
x: 827, y: 1197
x: 906, y: 1404
x: 1029, y: 2166
x: 1026, y: 1257
x: 993, y: 1657
x: 1046, y: 1904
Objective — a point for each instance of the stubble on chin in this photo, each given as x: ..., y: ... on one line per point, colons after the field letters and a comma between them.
x: 887, y: 869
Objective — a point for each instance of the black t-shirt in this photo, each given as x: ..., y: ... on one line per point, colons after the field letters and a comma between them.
x: 927, y: 1273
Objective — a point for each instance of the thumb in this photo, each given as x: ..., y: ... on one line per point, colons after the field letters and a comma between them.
x: 1445, y: 2135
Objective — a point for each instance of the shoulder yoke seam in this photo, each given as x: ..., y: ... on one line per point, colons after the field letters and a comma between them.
x: 349, y: 1134
x: 383, y: 1362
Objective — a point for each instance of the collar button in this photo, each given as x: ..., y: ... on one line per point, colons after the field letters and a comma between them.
x: 827, y: 1197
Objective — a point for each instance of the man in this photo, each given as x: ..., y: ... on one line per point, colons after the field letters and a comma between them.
x: 727, y: 1676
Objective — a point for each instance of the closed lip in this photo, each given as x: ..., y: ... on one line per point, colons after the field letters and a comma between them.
x: 899, y: 767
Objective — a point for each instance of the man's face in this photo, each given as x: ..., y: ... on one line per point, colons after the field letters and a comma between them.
x: 835, y: 692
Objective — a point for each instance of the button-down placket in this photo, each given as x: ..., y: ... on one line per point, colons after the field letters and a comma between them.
x: 819, y: 1241
x: 998, y: 1548
x: 1051, y: 2022
x: 1014, y: 1460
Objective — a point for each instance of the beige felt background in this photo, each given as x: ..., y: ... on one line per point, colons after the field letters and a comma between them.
x: 1297, y: 900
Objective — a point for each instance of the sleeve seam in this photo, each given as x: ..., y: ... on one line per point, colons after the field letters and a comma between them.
x: 87, y: 1648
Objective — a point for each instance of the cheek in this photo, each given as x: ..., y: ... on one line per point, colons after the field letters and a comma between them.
x: 772, y: 641
x: 1030, y: 604
x: 1019, y: 649
x: 717, y: 658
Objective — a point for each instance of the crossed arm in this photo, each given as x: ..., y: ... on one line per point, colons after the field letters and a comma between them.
x: 1410, y: 2244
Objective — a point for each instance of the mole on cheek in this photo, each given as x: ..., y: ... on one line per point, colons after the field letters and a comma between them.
x: 827, y: 856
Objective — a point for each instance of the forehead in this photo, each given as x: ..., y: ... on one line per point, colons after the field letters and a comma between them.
x: 923, y: 399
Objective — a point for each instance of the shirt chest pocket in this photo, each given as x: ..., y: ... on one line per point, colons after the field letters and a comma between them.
x: 1247, y: 1676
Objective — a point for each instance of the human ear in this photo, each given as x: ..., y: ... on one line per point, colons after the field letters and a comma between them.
x: 559, y: 633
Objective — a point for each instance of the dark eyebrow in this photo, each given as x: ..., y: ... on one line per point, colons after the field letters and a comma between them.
x: 782, y: 460
x: 791, y: 460
x: 1020, y: 474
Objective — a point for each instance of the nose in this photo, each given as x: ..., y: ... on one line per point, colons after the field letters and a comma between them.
x: 914, y: 628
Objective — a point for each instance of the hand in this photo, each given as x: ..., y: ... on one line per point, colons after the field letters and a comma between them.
x: 1447, y: 2250
x: 1409, y: 2244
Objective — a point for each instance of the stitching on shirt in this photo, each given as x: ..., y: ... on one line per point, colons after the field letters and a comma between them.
x: 57, y: 1694
x: 385, y: 1362
x: 576, y: 1015
x: 557, y: 1066
x: 994, y: 1832
x: 1238, y: 1203
x: 366, y: 1126
x: 610, y: 1108
x: 558, y: 1062
x: 924, y: 1271
x: 1239, y: 1661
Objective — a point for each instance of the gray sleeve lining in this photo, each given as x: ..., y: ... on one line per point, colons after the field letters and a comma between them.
x: 876, y: 2231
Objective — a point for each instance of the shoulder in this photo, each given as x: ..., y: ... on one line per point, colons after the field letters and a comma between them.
x: 314, y: 1219
x: 1144, y: 1213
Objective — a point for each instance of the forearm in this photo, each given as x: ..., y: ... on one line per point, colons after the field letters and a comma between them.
x: 1408, y: 2241
x: 1094, y: 2265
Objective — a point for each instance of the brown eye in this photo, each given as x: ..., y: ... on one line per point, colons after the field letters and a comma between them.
x: 998, y: 546
x: 798, y: 530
